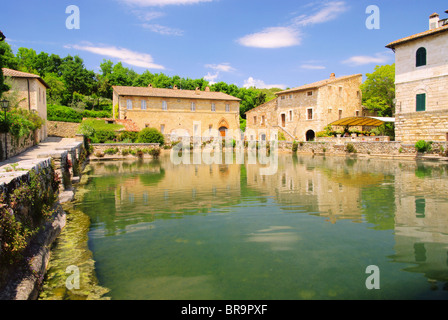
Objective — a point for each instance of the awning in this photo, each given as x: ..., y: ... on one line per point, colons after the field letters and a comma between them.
x: 363, y: 121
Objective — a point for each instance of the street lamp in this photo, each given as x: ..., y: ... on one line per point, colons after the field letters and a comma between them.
x: 4, y: 104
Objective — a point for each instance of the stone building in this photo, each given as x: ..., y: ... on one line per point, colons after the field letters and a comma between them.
x: 421, y: 83
x: 168, y: 110
x: 31, y: 92
x: 299, y: 113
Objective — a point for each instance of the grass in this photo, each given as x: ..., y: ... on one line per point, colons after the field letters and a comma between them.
x: 102, y: 125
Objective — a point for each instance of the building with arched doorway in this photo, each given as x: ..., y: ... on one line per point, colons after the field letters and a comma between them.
x: 176, y: 111
x: 300, y: 113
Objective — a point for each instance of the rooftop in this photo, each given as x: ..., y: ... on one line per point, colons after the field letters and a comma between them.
x: 172, y: 93
x: 426, y: 33
x: 318, y: 84
x: 19, y: 74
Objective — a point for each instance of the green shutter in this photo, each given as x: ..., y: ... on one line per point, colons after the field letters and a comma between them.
x: 421, y: 102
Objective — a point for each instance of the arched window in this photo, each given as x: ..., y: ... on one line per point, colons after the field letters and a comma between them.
x: 421, y: 57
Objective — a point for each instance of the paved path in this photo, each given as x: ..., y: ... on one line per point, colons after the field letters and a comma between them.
x: 48, y: 145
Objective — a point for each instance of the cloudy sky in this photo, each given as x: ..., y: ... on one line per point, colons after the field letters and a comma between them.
x: 262, y: 43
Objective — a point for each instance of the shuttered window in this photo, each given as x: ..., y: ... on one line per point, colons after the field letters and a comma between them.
x: 421, y: 57
x: 421, y: 102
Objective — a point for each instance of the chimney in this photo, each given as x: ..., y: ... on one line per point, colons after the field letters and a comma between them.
x: 197, y: 90
x: 150, y: 86
x: 175, y: 87
x: 332, y: 76
x: 433, y: 21
x: 207, y: 89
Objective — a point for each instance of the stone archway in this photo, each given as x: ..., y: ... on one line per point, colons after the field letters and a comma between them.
x: 310, y: 135
x: 223, y: 126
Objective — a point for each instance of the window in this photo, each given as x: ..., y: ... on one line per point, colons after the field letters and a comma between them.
x: 39, y: 94
x: 129, y: 104
x: 210, y: 127
x: 329, y: 110
x: 283, y: 97
x: 143, y: 104
x: 213, y: 107
x: 309, y: 113
x: 162, y: 128
x: 290, y: 115
x: 421, y: 57
x: 340, y: 114
x: 357, y: 113
x: 309, y: 93
x: 290, y: 96
x: 255, y: 119
x: 193, y: 106
x: 227, y: 107
x: 262, y: 120
x: 421, y: 102
x: 164, y: 105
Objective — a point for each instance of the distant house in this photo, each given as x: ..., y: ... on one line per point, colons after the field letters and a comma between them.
x: 301, y: 112
x: 32, y: 93
x: 168, y: 110
x: 421, y: 84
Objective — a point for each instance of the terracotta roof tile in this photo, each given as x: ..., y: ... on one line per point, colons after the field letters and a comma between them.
x: 19, y: 74
x: 317, y: 84
x: 172, y: 93
x: 417, y: 36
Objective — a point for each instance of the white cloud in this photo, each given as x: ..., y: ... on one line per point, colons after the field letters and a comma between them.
x: 148, y: 16
x: 211, y: 78
x: 161, y: 3
x: 378, y: 58
x: 276, y: 37
x: 325, y: 12
x: 224, y: 67
x: 251, y: 82
x: 127, y: 56
x: 312, y: 67
x: 291, y: 35
x: 163, y: 30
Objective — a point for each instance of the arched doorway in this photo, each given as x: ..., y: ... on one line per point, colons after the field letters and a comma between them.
x: 223, y: 131
x: 310, y: 135
x: 223, y: 126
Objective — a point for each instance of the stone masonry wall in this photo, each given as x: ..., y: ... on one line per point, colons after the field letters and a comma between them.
x: 62, y: 129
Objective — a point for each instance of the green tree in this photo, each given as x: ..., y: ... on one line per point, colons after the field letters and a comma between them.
x: 57, y: 88
x: 378, y: 91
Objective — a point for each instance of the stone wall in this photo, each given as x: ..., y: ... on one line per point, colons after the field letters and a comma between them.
x: 381, y: 148
x: 428, y: 126
x: 11, y: 146
x: 62, y: 129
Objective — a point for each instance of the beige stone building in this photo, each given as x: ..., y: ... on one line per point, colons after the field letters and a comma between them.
x: 32, y: 94
x: 168, y: 110
x: 301, y: 112
x: 421, y: 83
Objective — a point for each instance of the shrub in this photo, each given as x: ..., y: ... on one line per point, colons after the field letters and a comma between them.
x: 99, y: 154
x: 423, y: 146
x: 350, y: 148
x: 104, y: 135
x: 151, y: 135
x: 111, y: 151
x: 125, y: 152
x: 295, y: 146
x: 154, y: 152
x: 128, y: 136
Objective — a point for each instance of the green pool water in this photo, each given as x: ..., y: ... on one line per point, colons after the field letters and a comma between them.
x: 165, y: 231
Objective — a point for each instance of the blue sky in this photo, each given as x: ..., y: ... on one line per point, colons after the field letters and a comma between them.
x: 282, y: 43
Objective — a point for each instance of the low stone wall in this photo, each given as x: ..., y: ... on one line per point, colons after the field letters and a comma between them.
x: 62, y: 129
x: 20, y: 278
x: 11, y: 146
x: 393, y: 148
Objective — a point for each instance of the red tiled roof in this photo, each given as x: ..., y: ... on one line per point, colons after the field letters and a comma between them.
x: 19, y: 74
x: 417, y: 36
x: 172, y: 93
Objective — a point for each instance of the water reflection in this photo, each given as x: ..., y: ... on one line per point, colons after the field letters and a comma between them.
x: 403, y: 203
